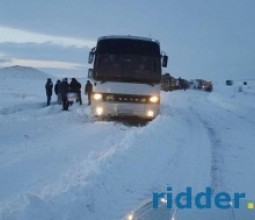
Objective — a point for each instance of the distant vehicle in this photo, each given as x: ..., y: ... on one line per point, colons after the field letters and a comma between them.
x: 168, y: 83
x: 229, y: 82
x: 126, y: 77
x: 207, y: 86
x: 196, y: 84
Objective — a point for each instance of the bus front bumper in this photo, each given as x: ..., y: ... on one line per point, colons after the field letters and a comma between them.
x: 144, y: 111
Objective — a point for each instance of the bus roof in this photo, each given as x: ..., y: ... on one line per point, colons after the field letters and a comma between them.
x: 128, y: 37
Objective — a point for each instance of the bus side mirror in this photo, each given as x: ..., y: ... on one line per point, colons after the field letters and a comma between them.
x: 164, y: 61
x: 91, y: 57
x: 90, y: 73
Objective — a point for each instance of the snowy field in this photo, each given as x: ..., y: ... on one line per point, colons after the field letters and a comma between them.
x: 57, y: 165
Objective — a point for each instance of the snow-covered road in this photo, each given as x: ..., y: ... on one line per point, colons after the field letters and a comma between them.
x: 62, y: 165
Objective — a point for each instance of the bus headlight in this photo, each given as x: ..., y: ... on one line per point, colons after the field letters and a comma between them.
x: 150, y: 113
x: 97, y: 96
x: 154, y: 99
x: 99, y: 110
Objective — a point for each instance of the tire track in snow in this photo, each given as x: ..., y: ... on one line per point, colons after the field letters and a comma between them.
x: 191, y: 157
x: 217, y: 160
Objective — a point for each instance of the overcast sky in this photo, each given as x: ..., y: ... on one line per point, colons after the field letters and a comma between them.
x: 203, y: 39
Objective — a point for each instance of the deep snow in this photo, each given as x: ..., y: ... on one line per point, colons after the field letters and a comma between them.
x: 63, y: 165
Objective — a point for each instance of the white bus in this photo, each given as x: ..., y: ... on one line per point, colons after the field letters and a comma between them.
x: 126, y: 77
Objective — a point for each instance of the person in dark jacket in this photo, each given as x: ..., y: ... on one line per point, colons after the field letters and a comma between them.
x: 48, y: 88
x: 88, y: 91
x: 63, y: 90
x: 56, y: 90
x: 75, y: 87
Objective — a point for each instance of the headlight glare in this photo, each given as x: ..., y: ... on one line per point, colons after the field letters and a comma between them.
x: 154, y: 99
x: 97, y: 96
x: 99, y: 111
x: 150, y: 114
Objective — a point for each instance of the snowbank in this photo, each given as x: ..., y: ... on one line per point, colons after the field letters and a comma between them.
x: 64, y: 165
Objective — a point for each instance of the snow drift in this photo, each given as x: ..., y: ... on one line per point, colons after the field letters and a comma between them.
x: 63, y: 165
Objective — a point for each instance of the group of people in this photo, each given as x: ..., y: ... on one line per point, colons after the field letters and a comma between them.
x: 63, y: 88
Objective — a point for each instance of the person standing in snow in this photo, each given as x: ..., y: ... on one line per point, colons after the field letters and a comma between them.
x: 88, y: 91
x: 56, y: 90
x: 75, y: 87
x: 63, y: 89
x: 48, y: 88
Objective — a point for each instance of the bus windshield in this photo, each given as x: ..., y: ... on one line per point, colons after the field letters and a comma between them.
x: 128, y: 60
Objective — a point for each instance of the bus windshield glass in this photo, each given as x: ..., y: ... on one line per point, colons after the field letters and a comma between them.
x: 128, y: 60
